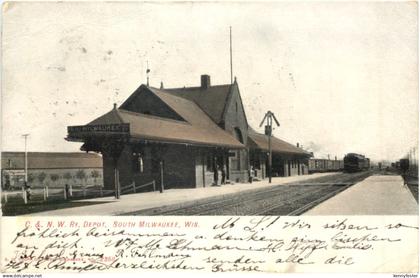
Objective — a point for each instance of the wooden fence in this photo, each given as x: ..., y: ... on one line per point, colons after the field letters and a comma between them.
x: 132, y: 188
x: 56, y: 194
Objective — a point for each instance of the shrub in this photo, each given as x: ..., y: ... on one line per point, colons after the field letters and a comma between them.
x: 41, y: 177
x: 95, y: 174
x: 81, y: 174
x: 54, y: 177
x: 31, y: 178
x: 67, y: 176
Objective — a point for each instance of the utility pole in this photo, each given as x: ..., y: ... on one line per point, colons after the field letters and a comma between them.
x: 269, y: 116
x: 26, y: 158
x: 25, y: 186
x: 147, y: 73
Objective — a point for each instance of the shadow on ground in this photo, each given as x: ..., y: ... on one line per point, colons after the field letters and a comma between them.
x: 13, y: 209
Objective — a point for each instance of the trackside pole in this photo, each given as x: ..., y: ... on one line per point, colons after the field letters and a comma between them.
x: 269, y: 116
x: 270, y: 157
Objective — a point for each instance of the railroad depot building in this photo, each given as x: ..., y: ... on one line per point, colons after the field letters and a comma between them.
x: 287, y: 160
x: 54, y: 169
x: 184, y: 137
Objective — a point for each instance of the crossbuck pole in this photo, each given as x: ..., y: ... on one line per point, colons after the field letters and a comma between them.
x: 269, y: 117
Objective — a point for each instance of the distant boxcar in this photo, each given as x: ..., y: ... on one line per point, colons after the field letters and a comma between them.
x: 319, y: 165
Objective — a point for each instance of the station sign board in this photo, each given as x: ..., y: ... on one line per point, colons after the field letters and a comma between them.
x: 105, y: 128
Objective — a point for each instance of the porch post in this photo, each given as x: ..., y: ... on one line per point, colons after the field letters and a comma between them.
x: 223, y: 164
x: 116, y: 180
x: 114, y: 149
x: 215, y: 170
x: 204, y: 165
x: 162, y: 187
x: 227, y: 167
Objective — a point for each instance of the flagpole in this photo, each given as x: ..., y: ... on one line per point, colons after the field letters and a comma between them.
x: 231, y: 65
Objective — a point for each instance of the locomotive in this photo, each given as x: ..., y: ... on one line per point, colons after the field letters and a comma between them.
x: 354, y: 162
x: 403, y: 165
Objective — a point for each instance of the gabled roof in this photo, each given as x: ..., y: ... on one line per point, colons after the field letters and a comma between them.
x: 112, y: 117
x: 198, y: 128
x: 150, y: 93
x: 211, y: 100
x: 260, y: 141
x: 186, y: 108
x: 50, y: 160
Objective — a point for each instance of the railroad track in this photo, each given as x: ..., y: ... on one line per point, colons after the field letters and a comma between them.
x: 414, y: 189
x: 221, y: 202
x: 289, y: 199
x: 249, y: 204
x: 281, y: 209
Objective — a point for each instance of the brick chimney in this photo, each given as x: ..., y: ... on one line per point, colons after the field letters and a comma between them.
x: 205, y: 81
x: 297, y: 145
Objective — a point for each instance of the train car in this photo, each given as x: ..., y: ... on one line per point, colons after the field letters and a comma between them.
x: 330, y: 165
x: 354, y: 162
x: 311, y: 165
x: 319, y: 165
x: 404, y: 165
x: 335, y: 165
x: 316, y: 165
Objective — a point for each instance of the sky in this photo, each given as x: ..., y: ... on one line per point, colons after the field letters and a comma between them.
x: 340, y: 77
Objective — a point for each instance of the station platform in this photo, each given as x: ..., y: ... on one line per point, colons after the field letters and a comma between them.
x: 139, y: 201
x: 376, y: 195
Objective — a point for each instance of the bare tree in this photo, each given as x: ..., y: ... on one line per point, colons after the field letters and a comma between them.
x: 41, y: 177
x: 81, y: 175
x: 95, y: 175
x: 67, y: 176
x: 54, y: 177
x: 31, y: 177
